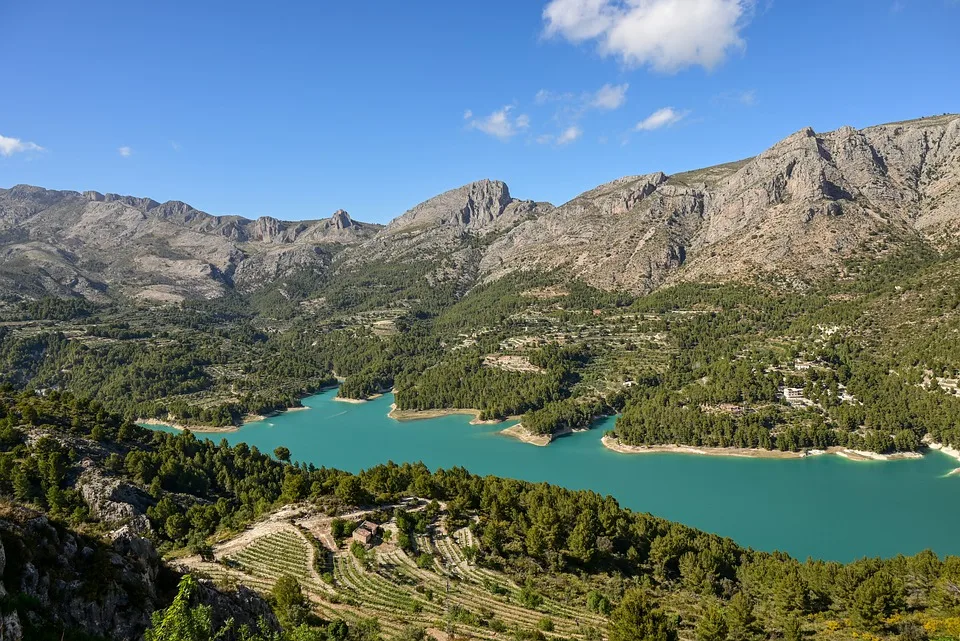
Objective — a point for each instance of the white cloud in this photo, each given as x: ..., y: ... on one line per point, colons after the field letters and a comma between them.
x: 668, y: 35
x: 10, y: 146
x: 468, y: 114
x: 545, y: 95
x: 661, y: 118
x: 500, y: 125
x: 610, y: 96
x: 124, y: 151
x: 578, y: 20
x: 569, y: 134
x: 565, y: 137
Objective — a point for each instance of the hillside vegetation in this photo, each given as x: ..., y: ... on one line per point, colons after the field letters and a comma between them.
x: 481, y: 556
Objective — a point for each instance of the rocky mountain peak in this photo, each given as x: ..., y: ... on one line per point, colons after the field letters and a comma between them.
x: 474, y: 205
x: 267, y: 229
x: 341, y: 220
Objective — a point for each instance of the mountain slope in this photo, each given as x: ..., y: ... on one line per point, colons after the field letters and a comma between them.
x: 449, y: 230
x: 797, y: 211
x: 799, y: 208
x: 65, y: 242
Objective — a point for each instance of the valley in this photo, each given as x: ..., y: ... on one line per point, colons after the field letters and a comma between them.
x: 800, y: 302
x: 838, y: 509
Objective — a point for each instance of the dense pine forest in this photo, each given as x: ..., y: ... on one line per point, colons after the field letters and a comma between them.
x: 867, y: 359
x: 649, y: 576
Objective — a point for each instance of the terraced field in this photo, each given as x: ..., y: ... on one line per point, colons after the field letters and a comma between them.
x: 274, y: 555
x: 448, y: 593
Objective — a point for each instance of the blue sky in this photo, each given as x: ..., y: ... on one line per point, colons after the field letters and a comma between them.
x: 297, y: 110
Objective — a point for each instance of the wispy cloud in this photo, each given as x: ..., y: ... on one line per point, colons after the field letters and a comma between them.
x: 10, y: 146
x: 545, y: 96
x: 500, y: 124
x: 175, y: 145
x: 607, y: 97
x: 661, y: 118
x: 569, y: 108
x: 610, y: 97
x: 568, y: 135
x: 746, y: 98
x: 667, y: 35
x: 565, y: 137
x: 125, y: 151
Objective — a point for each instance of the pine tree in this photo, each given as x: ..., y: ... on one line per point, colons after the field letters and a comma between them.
x: 635, y: 619
x: 290, y: 605
x: 790, y: 594
x: 876, y: 599
x: 792, y: 631
x: 741, y: 622
x: 180, y: 622
x: 712, y: 625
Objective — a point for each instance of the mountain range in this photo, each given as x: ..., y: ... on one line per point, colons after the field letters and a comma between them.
x: 796, y: 211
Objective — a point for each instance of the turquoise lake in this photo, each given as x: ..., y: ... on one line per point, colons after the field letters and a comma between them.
x: 824, y: 506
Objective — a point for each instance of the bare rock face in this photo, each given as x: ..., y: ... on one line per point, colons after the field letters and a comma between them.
x: 476, y: 206
x: 56, y: 569
x: 340, y: 220
x: 116, y: 503
x: 625, y: 234
x: 448, y: 230
x: 106, y: 590
x: 800, y: 208
x: 94, y: 245
x: 244, y: 606
x: 10, y: 627
x: 268, y: 230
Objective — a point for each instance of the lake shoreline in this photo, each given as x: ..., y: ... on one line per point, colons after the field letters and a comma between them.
x: 418, y: 415
x: 615, y: 445
x: 356, y: 401
x: 945, y: 449
x: 523, y: 435
x: 837, y: 510
x: 216, y: 429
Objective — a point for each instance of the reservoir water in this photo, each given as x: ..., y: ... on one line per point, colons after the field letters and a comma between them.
x: 823, y: 506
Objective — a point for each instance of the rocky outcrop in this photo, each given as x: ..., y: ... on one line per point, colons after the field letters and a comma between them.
x: 116, y: 503
x: 243, y: 606
x: 65, y: 580
x: 449, y: 230
x: 340, y: 220
x: 78, y: 582
x: 476, y: 206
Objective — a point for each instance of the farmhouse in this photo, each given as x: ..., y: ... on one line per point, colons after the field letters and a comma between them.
x: 793, y: 393
x: 366, y: 532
